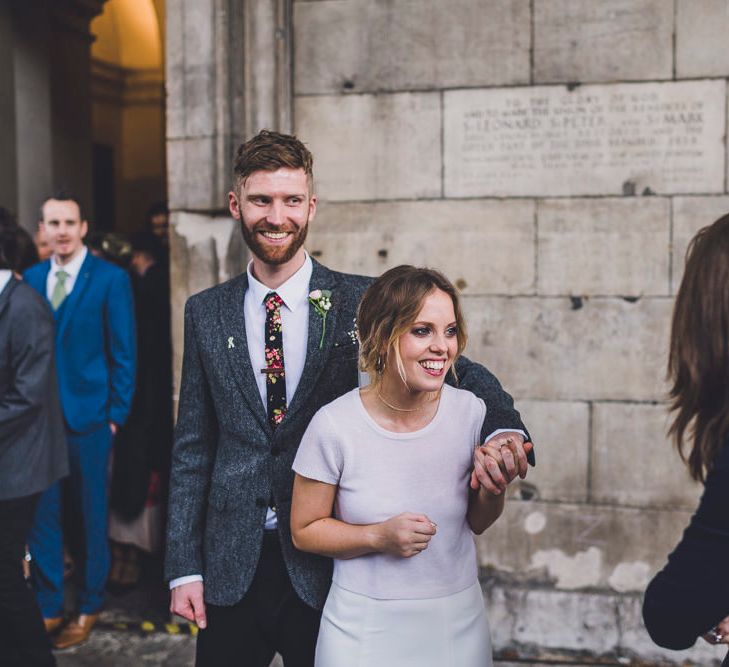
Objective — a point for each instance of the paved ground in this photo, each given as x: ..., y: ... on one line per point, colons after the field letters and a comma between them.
x: 135, y: 631
x: 133, y: 646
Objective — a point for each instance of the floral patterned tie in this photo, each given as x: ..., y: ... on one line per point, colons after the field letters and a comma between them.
x: 275, y: 378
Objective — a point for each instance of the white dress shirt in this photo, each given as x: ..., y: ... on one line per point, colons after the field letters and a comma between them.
x: 295, y: 329
x: 72, y: 269
x: 5, y: 275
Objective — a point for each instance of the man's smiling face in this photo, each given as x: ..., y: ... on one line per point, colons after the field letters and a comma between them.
x: 274, y: 209
x: 63, y: 228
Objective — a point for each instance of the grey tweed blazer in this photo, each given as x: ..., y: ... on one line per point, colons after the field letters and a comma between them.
x: 227, y: 462
x: 33, y: 451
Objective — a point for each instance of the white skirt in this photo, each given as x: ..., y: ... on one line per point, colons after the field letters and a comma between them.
x: 359, y: 631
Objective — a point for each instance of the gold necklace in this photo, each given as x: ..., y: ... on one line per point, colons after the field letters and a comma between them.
x: 398, y: 409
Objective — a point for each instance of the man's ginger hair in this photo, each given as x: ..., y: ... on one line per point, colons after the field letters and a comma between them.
x: 269, y: 151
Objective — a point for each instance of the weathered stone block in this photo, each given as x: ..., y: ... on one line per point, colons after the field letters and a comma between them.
x: 567, y: 628
x: 485, y: 247
x: 204, y: 251
x: 593, y: 40
x: 175, y: 96
x: 622, y: 139
x: 562, y: 436
x: 577, y: 546
x: 373, y: 146
x: 634, y: 463
x: 572, y: 349
x: 604, y: 246
x: 200, y: 100
x: 174, y: 65
x: 354, y: 46
x: 701, y: 38
x: 554, y: 620
x: 190, y: 68
x: 218, y: 242
x: 690, y: 214
x: 199, y: 32
x: 192, y: 177
x: 176, y: 174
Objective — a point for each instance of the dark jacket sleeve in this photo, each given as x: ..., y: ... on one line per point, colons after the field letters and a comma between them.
x: 193, y: 455
x: 500, y: 411
x: 691, y: 593
x: 30, y: 356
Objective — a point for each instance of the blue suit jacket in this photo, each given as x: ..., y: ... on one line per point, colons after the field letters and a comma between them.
x: 95, y: 344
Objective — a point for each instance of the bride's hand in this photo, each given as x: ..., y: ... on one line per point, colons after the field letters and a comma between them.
x: 406, y: 534
x: 498, y: 462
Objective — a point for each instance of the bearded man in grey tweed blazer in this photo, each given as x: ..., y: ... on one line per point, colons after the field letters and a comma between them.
x: 230, y: 561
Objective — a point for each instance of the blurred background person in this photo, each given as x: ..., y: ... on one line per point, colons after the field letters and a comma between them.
x: 25, y: 249
x: 158, y: 222
x: 112, y: 247
x: 7, y: 219
x: 690, y: 596
x: 42, y: 245
x: 95, y: 349
x: 33, y: 451
x: 143, y: 446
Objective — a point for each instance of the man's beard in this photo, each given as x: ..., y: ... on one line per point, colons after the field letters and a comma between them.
x: 274, y: 255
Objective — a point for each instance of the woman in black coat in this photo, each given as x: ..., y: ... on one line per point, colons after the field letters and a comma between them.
x: 689, y: 598
x: 142, y: 448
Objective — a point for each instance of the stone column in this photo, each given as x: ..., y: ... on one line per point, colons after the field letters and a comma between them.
x: 8, y: 177
x: 70, y: 60
x: 228, y: 76
x: 33, y: 128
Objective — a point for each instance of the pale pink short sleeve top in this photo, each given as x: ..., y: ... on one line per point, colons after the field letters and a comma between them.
x: 380, y: 474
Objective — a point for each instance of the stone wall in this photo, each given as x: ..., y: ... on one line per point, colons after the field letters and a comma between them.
x: 553, y: 157
x: 45, y: 112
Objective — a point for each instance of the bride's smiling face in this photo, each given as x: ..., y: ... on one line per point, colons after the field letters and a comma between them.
x: 428, y: 347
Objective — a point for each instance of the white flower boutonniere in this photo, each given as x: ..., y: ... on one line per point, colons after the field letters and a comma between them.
x: 321, y: 300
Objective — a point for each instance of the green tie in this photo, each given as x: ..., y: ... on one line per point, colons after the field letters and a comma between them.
x: 59, y: 291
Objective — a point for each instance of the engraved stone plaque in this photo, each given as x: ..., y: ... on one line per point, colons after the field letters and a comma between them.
x: 594, y: 140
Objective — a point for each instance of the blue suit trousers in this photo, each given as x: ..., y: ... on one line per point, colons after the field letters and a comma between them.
x: 89, y: 508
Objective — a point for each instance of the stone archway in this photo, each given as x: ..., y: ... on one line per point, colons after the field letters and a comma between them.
x: 128, y: 113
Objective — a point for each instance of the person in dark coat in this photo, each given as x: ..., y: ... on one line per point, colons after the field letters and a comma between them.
x: 33, y: 451
x: 25, y: 251
x: 143, y: 446
x: 689, y: 597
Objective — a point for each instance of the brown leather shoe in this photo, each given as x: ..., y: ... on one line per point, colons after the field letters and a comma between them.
x: 76, y: 631
x: 52, y: 624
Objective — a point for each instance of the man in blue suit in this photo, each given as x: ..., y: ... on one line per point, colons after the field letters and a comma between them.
x: 95, y: 351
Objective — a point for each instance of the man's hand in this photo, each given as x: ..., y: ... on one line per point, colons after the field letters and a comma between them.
x: 187, y: 601
x: 719, y: 634
x: 499, y: 461
x: 113, y: 428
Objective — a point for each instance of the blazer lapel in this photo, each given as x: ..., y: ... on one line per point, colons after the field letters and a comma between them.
x: 65, y: 312
x: 5, y: 293
x: 321, y: 278
x: 232, y: 320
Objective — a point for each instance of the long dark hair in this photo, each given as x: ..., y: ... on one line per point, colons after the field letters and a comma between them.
x: 698, y: 363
